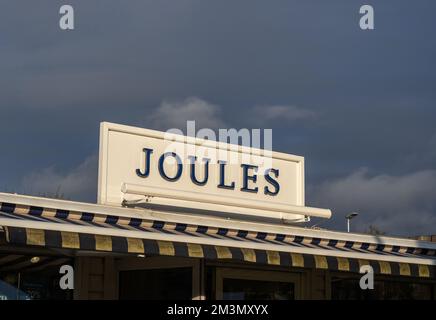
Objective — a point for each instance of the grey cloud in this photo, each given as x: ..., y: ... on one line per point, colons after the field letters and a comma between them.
x: 283, y: 113
x: 402, y: 203
x: 175, y: 114
x: 79, y: 183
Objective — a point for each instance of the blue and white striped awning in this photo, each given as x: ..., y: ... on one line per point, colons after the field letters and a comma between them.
x: 99, y: 231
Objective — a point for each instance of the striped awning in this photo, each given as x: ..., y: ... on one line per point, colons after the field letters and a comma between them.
x: 58, y: 228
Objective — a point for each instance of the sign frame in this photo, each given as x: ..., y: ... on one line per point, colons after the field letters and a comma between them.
x: 298, y: 211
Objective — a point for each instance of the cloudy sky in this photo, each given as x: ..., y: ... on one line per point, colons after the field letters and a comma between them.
x: 359, y: 105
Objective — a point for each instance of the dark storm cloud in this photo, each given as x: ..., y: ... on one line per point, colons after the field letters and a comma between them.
x: 344, y: 98
x: 401, y: 203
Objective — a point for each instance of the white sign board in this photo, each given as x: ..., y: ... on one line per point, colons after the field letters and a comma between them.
x: 193, y: 173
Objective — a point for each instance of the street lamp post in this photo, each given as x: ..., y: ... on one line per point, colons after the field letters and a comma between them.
x: 349, y: 217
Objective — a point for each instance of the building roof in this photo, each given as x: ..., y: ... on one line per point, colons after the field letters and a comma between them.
x: 34, y: 221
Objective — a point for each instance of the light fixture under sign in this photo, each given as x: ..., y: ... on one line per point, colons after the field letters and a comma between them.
x: 35, y: 259
x: 235, y: 206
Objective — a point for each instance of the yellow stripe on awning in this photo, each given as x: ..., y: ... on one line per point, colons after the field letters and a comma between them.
x: 223, y: 252
x: 343, y: 264
x: 273, y: 257
x: 385, y: 267
x: 321, y: 262
x: 404, y: 269
x: 135, y: 245
x: 103, y: 242
x: 166, y: 248
x: 70, y: 240
x: 249, y: 255
x: 297, y: 260
x: 424, y: 271
x: 35, y: 237
x: 195, y: 250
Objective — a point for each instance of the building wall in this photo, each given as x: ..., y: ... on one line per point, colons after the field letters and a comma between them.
x: 318, y: 285
x: 97, y: 277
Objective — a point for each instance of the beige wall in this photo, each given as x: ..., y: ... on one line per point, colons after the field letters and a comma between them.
x: 97, y: 277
